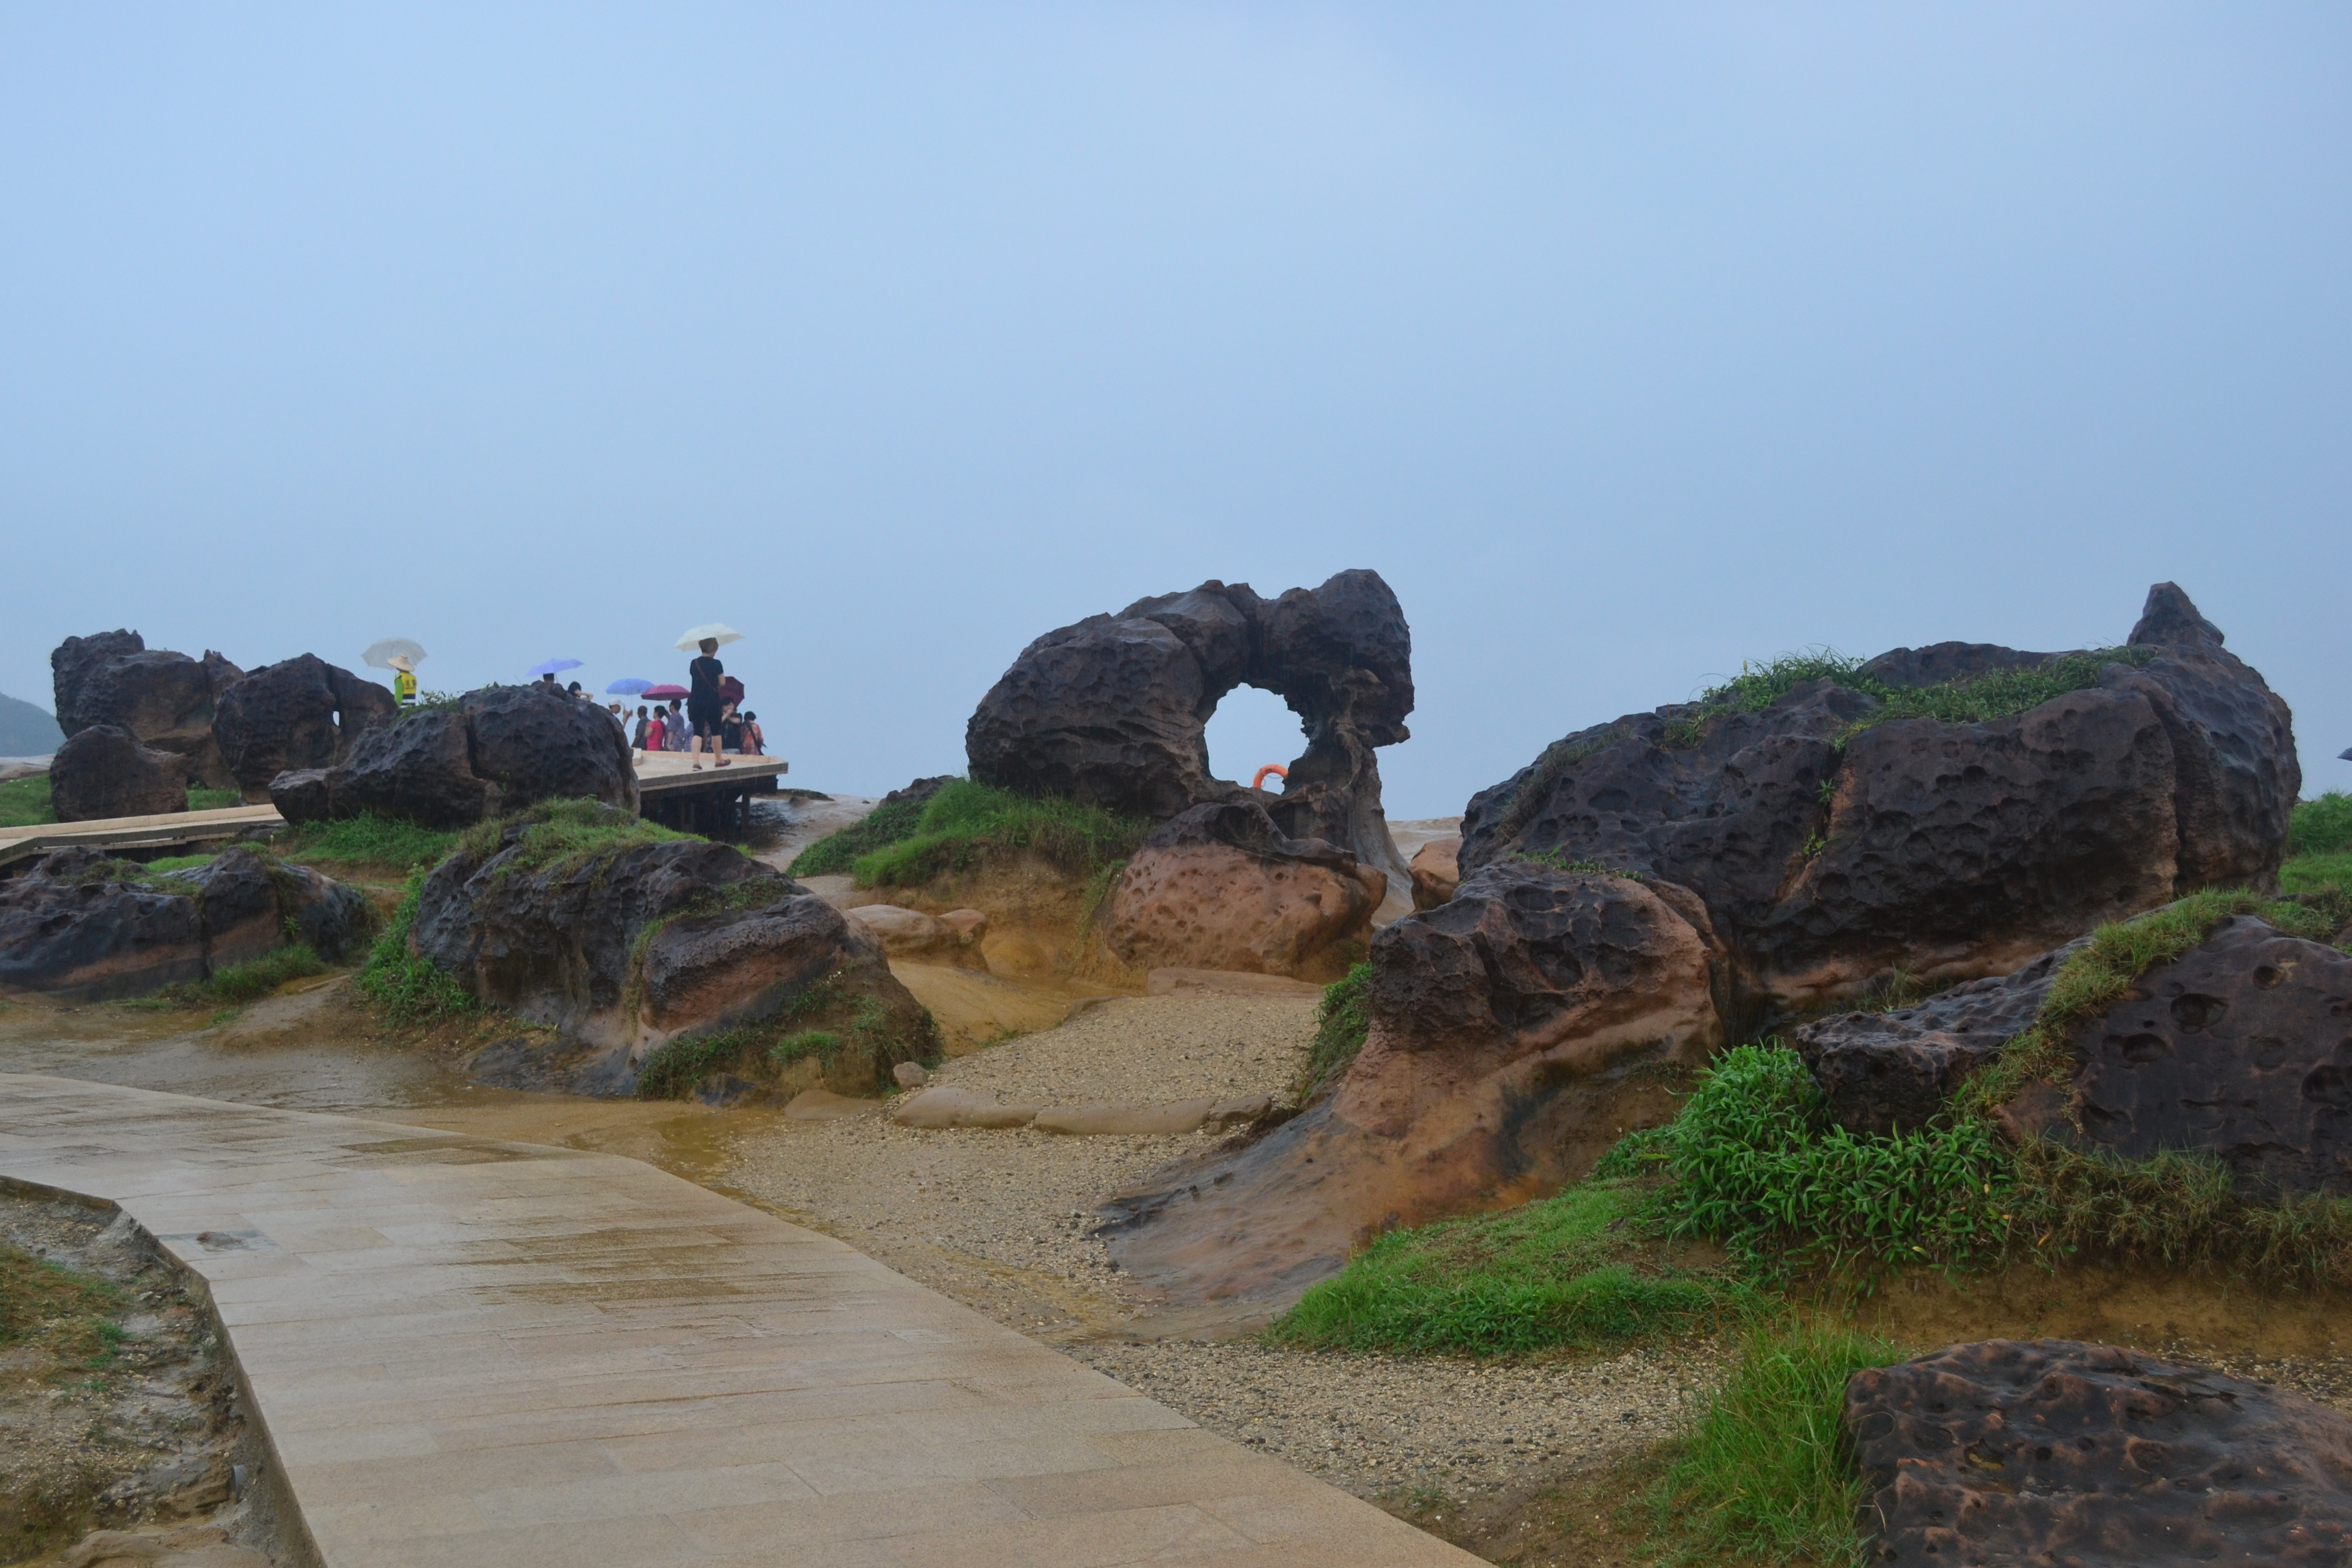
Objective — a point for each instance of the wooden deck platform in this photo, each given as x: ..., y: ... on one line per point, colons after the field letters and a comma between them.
x: 715, y: 800
x: 171, y: 830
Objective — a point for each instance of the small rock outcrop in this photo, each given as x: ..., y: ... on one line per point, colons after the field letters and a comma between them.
x: 1112, y: 710
x: 496, y: 752
x: 101, y: 770
x: 300, y: 712
x: 1828, y: 856
x: 2055, y: 1451
x: 1221, y: 887
x: 82, y: 926
x: 1517, y: 1033
x: 1436, y: 870
x: 162, y: 700
x: 953, y: 939
x: 625, y: 949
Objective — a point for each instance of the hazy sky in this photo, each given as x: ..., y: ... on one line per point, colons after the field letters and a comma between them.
x: 1625, y: 342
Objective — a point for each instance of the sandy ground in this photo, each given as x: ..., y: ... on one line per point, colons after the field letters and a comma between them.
x: 1004, y: 1222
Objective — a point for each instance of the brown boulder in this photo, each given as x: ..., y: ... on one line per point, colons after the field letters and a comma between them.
x: 102, y: 772
x: 919, y: 938
x: 1517, y: 1033
x: 163, y: 699
x: 1222, y: 888
x: 2096, y: 1457
x: 1436, y: 869
x: 300, y: 712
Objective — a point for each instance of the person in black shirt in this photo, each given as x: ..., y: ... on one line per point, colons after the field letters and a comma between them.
x: 704, y: 701
x: 731, y: 730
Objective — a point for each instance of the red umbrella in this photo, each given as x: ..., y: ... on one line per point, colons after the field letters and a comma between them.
x: 662, y: 693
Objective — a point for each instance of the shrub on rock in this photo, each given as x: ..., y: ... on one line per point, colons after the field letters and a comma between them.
x: 103, y: 771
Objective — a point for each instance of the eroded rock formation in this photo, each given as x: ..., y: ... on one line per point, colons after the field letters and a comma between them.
x: 626, y: 949
x: 103, y: 771
x: 300, y: 712
x: 1113, y: 710
x: 1517, y: 1033
x: 2055, y: 1451
x: 1221, y: 887
x: 496, y: 752
x: 83, y: 927
x: 165, y: 700
x: 1828, y: 856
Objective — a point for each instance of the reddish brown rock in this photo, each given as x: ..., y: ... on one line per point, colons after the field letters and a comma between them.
x: 2051, y: 1451
x: 1517, y: 1033
x: 1222, y: 888
x: 1436, y: 869
x: 103, y: 771
x: 920, y: 938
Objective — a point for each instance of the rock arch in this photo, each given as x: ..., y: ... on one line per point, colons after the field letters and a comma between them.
x: 1114, y: 709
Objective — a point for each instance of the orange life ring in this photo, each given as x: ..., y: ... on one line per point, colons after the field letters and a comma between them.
x: 1277, y: 769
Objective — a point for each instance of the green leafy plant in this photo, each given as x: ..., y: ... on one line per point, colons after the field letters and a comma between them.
x: 1557, y: 1271
x: 1342, y: 1022
x: 408, y: 986
x: 1764, y: 1476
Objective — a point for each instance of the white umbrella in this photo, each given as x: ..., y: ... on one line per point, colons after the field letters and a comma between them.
x: 385, y: 654
x: 719, y: 632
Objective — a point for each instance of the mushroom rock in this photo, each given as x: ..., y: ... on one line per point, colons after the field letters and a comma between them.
x: 300, y: 712
x: 1828, y: 855
x: 165, y: 700
x: 1113, y: 710
x: 1517, y: 1033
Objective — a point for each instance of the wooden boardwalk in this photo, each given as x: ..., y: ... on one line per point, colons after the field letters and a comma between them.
x: 176, y: 829
x: 467, y: 1351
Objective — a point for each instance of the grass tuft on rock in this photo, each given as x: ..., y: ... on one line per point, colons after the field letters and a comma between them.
x: 1342, y: 1022
x: 366, y: 839
x: 892, y: 822
x: 1561, y: 1271
x: 965, y: 820
x: 678, y: 1064
x: 408, y: 986
x: 240, y: 982
x: 1765, y: 1476
x: 559, y: 837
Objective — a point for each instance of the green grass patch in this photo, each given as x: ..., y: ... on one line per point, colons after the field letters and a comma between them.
x: 2178, y: 1209
x: 1756, y: 1165
x: 215, y: 799
x: 409, y: 987
x: 1558, y: 860
x: 240, y: 982
x: 1342, y: 1021
x: 2322, y: 827
x: 166, y: 863
x: 366, y: 839
x: 1764, y: 1475
x: 2308, y: 875
x: 676, y: 1065
x: 69, y: 1317
x: 889, y: 823
x: 1560, y: 1271
x: 560, y: 836
x: 965, y: 819
x: 25, y: 803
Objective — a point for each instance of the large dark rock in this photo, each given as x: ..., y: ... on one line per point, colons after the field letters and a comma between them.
x: 496, y: 752
x: 1828, y: 857
x: 81, y: 926
x: 102, y: 772
x: 2241, y: 1049
x: 1886, y: 1071
x: 1221, y: 887
x: 300, y: 712
x: 2096, y: 1457
x: 1113, y: 710
x: 162, y: 700
x: 625, y: 949
x: 1517, y: 1033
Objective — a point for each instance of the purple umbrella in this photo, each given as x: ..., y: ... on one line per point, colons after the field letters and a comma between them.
x: 556, y: 666
x: 628, y: 686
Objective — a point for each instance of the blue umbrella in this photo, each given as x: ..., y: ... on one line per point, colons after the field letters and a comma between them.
x: 556, y: 666
x: 628, y: 686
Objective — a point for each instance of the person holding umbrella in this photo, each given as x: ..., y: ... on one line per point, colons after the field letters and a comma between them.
x: 706, y: 697
x: 401, y: 656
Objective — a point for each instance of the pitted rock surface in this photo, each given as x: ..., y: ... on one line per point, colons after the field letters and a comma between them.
x: 635, y: 946
x: 1113, y: 709
x: 162, y: 700
x: 2052, y: 1451
x: 83, y: 927
x: 103, y: 771
x: 1948, y: 850
x: 497, y: 751
x: 1222, y: 888
x: 300, y: 712
x: 2240, y: 1048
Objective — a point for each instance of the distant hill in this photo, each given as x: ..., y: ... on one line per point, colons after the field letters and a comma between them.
x: 26, y: 731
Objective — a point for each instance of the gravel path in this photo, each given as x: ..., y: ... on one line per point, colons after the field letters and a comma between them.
x: 1003, y: 1220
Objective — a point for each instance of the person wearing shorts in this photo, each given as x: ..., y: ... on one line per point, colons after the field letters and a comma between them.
x: 705, y: 700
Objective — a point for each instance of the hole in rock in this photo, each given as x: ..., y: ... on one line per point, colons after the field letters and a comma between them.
x: 1250, y: 729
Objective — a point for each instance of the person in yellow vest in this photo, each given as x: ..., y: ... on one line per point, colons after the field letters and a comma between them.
x: 403, y: 680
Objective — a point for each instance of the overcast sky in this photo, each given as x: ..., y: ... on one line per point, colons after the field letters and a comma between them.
x: 1625, y: 342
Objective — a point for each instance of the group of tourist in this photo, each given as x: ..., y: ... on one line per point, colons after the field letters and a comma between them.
x: 709, y: 718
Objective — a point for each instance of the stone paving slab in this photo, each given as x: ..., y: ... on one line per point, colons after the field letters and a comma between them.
x: 474, y: 1353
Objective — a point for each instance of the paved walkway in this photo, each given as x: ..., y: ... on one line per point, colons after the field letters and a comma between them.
x: 471, y: 1352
